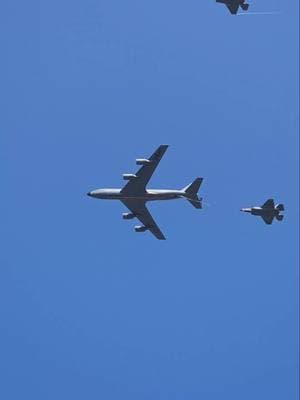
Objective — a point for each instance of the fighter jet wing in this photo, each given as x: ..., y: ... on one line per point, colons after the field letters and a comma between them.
x: 139, y: 209
x: 268, y: 204
x: 143, y: 175
x: 268, y: 219
x: 233, y: 8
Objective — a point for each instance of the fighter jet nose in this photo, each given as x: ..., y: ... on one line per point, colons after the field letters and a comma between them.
x: 247, y: 210
x: 89, y: 194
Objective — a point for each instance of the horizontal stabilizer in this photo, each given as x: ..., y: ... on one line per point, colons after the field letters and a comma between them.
x: 279, y: 217
x: 191, y: 191
x: 279, y: 207
x: 245, y: 6
x: 196, y: 203
x: 193, y: 187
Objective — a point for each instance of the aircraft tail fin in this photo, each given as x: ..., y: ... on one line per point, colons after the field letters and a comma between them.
x: 191, y: 191
x: 279, y: 207
x: 279, y: 217
x: 244, y: 6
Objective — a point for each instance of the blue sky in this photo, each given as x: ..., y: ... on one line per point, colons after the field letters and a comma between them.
x: 88, y: 308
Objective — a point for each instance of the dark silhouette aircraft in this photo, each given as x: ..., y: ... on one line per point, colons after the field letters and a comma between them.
x: 268, y: 211
x: 134, y: 195
x: 233, y: 5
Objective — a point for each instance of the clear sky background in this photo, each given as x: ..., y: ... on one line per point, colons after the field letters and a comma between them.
x: 88, y: 308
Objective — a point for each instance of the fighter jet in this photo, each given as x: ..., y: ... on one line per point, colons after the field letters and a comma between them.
x: 134, y: 195
x: 268, y: 211
x: 233, y: 5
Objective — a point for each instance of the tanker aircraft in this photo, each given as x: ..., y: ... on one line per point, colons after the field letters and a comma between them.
x: 134, y: 195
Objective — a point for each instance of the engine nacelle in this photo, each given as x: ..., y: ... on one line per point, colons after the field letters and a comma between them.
x: 142, y: 161
x: 140, y: 228
x: 129, y: 177
x: 128, y: 216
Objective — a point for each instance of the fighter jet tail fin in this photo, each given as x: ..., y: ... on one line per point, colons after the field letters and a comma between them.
x: 279, y: 207
x: 245, y: 6
x: 279, y: 217
x: 191, y: 193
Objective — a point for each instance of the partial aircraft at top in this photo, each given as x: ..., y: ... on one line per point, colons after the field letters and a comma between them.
x: 233, y: 5
x: 134, y: 195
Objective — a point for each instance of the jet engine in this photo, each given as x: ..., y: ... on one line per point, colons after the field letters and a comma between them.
x: 129, y: 177
x: 140, y: 228
x: 128, y: 215
x: 142, y: 161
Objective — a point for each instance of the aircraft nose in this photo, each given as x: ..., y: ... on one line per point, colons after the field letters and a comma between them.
x: 89, y: 194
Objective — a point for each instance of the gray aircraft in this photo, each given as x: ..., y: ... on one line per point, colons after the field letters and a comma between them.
x: 134, y: 194
x: 268, y: 211
x: 233, y: 5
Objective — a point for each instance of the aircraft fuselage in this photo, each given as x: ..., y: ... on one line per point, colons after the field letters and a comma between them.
x: 261, y: 211
x: 148, y: 195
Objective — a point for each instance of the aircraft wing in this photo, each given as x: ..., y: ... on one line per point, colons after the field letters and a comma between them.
x: 139, y: 209
x: 268, y: 219
x: 269, y: 204
x: 232, y: 7
x: 143, y: 175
